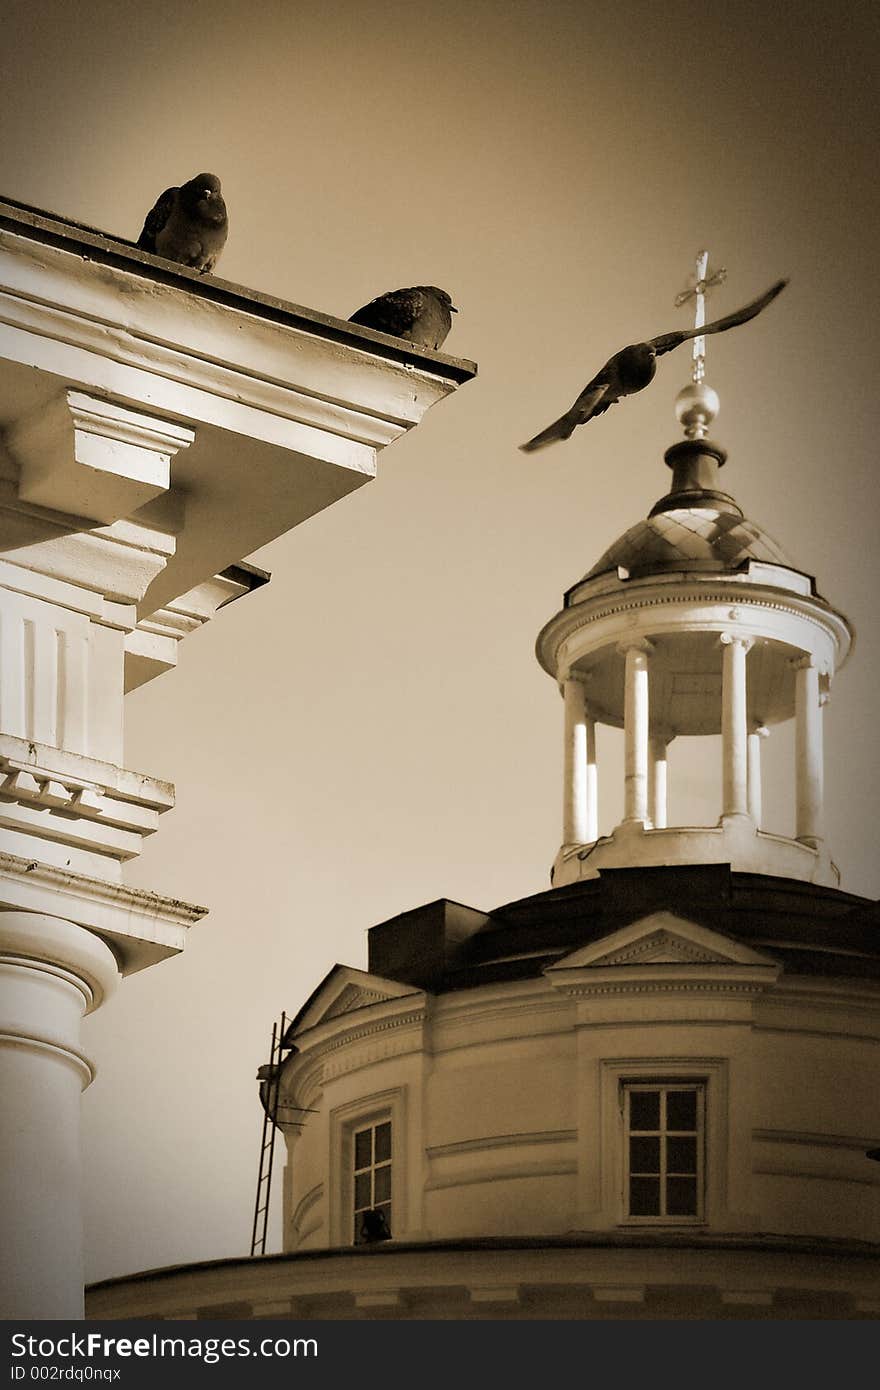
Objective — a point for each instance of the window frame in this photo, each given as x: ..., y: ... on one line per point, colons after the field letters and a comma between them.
x: 372, y: 1169
x: 664, y: 1086
x: 602, y: 1192
x: 345, y: 1122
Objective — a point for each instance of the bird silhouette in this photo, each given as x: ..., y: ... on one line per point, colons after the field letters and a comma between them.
x: 374, y: 1227
x: 633, y: 368
x: 188, y: 224
x: 422, y: 315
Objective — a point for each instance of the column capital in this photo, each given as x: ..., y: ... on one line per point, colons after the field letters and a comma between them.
x: 661, y: 733
x: 759, y: 730
x: 634, y: 644
x: 736, y: 639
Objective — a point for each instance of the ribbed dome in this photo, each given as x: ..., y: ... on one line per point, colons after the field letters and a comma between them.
x: 695, y: 538
x: 694, y: 527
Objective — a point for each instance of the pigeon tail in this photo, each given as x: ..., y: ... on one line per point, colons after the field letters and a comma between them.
x: 563, y: 428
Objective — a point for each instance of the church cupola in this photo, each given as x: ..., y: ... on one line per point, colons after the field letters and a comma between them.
x: 693, y: 623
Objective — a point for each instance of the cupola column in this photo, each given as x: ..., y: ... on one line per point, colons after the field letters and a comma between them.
x: 734, y: 727
x: 753, y: 761
x: 635, y: 729
x: 579, y: 809
x: 592, y: 778
x: 808, y: 752
x: 657, y: 780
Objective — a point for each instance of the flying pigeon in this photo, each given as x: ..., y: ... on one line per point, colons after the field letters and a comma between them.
x: 633, y: 368
x: 422, y: 315
x: 188, y: 224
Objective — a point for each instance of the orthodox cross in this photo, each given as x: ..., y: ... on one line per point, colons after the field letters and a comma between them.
x: 704, y: 281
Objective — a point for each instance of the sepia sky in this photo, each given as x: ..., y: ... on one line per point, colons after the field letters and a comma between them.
x: 371, y: 730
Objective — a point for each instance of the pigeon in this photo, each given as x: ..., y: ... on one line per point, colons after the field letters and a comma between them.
x: 374, y: 1227
x: 633, y: 368
x: 188, y: 224
x: 422, y: 315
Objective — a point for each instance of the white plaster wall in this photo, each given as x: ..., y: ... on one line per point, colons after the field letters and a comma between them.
x: 512, y: 1126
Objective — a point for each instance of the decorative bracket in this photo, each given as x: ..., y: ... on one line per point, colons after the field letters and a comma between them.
x: 92, y: 458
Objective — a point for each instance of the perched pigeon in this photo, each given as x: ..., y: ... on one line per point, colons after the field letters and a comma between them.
x: 374, y: 1227
x: 422, y: 315
x: 633, y: 368
x: 188, y: 224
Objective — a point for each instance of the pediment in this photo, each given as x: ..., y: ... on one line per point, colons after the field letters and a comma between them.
x: 662, y: 938
x: 346, y: 990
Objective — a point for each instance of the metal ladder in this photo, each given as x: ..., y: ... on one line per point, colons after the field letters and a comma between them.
x: 271, y: 1074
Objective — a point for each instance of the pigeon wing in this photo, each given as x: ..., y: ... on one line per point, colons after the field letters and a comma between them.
x: 589, y: 403
x: 667, y: 341
x: 156, y: 219
x: 393, y: 313
x: 593, y: 400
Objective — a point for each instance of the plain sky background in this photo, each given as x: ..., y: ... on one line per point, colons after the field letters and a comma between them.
x: 371, y: 730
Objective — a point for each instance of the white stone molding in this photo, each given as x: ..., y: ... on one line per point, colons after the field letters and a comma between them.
x: 82, y: 454
x: 115, y: 563
x: 686, y: 1281
x: 664, y: 954
x: 289, y: 408
x: 347, y: 986
x: 307, y: 1207
x: 75, y: 812
x: 151, y: 647
x: 141, y: 926
x: 657, y: 607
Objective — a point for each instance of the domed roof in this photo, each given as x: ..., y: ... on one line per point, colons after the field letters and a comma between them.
x: 694, y: 527
x: 696, y: 537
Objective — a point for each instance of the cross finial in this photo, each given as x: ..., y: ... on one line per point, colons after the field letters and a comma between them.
x: 703, y: 281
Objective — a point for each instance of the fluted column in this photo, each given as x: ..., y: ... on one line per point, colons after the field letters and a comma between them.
x: 657, y: 766
x: 753, y: 762
x: 734, y: 726
x: 808, y: 753
x: 635, y: 729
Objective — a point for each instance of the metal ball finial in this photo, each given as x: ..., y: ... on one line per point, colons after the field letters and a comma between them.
x: 696, y: 406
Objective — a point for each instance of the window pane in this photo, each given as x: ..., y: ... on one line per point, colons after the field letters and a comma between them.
x: 644, y: 1156
x: 383, y: 1142
x: 644, y: 1196
x: 382, y: 1190
x: 681, y: 1110
x: 681, y: 1155
x: 681, y: 1196
x: 644, y: 1109
x: 363, y: 1147
x: 362, y: 1191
